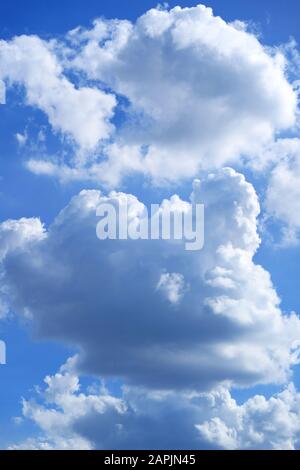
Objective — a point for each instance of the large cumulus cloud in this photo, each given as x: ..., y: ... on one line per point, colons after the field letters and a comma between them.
x: 208, y: 91
x: 192, y: 91
x: 147, y: 310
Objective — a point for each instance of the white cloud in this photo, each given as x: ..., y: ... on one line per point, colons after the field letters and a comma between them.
x: 283, y: 190
x: 21, y: 138
x: 71, y: 418
x: 207, y: 93
x: 15, y: 234
x: 259, y: 423
x: 172, y: 285
x: 68, y: 406
x: 102, y: 296
x: 81, y: 113
x: 118, y: 161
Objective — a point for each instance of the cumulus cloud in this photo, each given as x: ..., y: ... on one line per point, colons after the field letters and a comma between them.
x: 82, y: 113
x: 16, y: 234
x: 149, y: 312
x: 259, y: 423
x: 68, y: 406
x: 207, y: 93
x: 69, y: 417
x: 283, y: 189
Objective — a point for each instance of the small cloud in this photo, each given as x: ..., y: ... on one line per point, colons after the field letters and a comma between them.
x: 18, y: 420
x: 173, y: 286
x: 21, y: 138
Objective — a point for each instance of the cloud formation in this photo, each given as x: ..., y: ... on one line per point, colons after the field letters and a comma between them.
x: 83, y: 114
x: 147, y: 310
x: 283, y: 189
x: 208, y: 91
x: 208, y: 94
x: 69, y: 417
x: 179, y: 329
x: 259, y: 423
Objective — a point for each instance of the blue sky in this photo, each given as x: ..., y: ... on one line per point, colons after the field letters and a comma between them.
x: 38, y: 348
x: 278, y: 19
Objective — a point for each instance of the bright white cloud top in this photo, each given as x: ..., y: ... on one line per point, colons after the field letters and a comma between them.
x: 28, y: 61
x: 208, y: 93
